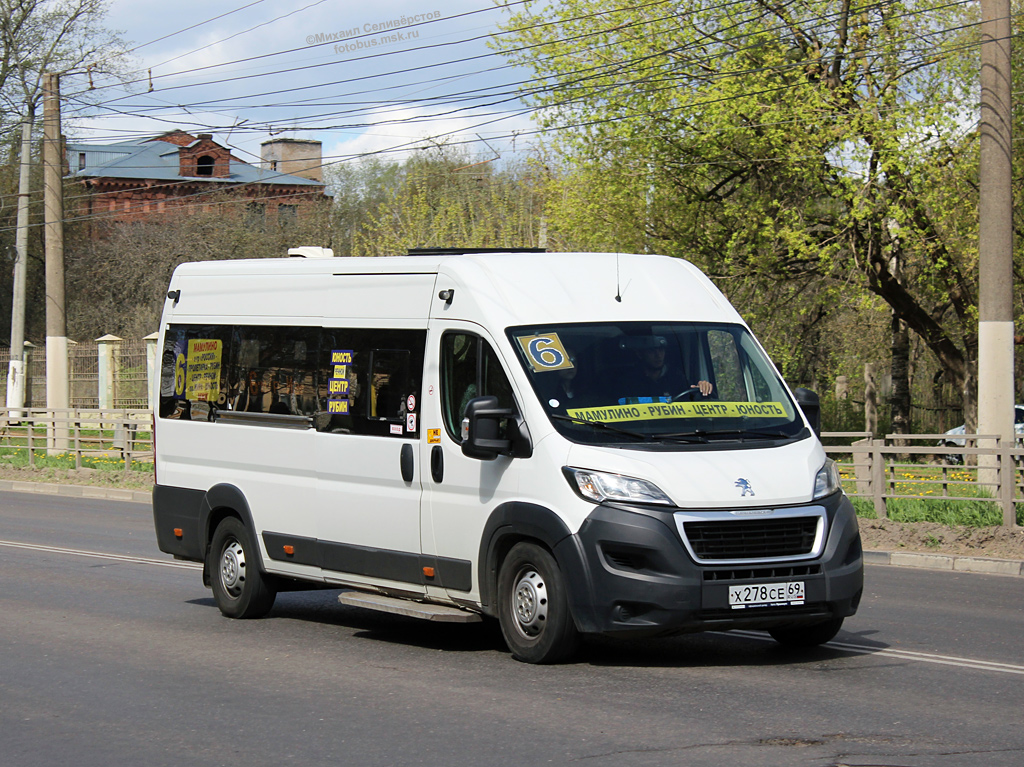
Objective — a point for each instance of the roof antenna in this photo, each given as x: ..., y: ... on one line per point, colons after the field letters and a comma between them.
x: 618, y: 290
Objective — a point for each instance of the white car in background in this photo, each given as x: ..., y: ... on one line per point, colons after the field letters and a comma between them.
x: 954, y: 437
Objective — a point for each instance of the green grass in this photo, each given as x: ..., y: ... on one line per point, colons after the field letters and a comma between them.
x: 930, y: 505
x: 946, y: 512
x: 18, y: 458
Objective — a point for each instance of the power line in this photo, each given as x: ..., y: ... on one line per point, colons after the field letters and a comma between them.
x: 559, y: 85
x: 194, y: 26
x: 522, y: 112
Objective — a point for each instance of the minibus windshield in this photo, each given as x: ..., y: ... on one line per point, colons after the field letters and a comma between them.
x: 637, y: 383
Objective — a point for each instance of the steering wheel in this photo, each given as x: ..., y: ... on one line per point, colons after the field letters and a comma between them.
x: 694, y: 392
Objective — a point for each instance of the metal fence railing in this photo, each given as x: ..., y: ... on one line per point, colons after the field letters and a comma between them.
x: 895, y: 468
x: 79, y: 436
x: 926, y: 467
x: 130, y: 374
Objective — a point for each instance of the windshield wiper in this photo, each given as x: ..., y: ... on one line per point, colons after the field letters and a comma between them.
x: 601, y: 425
x: 741, y: 433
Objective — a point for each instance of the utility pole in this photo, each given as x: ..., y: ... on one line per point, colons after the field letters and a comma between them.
x: 57, y: 395
x: 995, y: 233
x: 16, y: 368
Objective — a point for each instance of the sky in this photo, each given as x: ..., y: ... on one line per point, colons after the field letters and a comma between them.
x: 251, y: 70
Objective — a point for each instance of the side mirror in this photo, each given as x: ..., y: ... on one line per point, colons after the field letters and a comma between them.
x: 811, y: 405
x: 481, y: 430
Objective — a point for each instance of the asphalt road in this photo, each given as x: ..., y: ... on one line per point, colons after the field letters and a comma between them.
x: 113, y: 654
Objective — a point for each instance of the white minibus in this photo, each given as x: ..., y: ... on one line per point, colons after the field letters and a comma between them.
x: 572, y: 443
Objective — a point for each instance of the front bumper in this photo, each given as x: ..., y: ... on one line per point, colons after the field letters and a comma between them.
x: 629, y: 573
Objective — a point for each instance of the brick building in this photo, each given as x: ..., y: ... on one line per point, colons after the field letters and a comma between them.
x: 146, y: 177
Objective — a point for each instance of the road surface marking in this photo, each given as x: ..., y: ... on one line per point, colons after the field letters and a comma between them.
x: 102, y: 555
x: 891, y: 652
x: 885, y: 652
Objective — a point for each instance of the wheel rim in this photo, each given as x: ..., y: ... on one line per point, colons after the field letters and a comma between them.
x: 232, y: 568
x: 529, y: 603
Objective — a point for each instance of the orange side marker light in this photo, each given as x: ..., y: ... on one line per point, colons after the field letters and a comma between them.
x: 428, y: 571
x: 179, y: 533
x: 289, y: 550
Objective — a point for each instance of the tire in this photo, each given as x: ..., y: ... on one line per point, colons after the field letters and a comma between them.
x: 533, y: 608
x: 239, y: 588
x: 807, y: 636
x: 952, y: 459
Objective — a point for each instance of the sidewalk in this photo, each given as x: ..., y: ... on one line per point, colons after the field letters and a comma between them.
x: 77, y: 491
x: 925, y: 561
x: 986, y: 565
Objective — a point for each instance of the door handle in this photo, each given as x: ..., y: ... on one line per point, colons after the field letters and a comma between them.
x: 437, y: 464
x: 407, y: 463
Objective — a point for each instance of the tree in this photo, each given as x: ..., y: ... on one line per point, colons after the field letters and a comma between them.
x: 65, y: 37
x: 359, y: 189
x: 819, y: 145
x: 116, y: 282
x: 449, y: 198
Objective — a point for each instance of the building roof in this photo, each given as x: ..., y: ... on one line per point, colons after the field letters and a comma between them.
x: 157, y: 158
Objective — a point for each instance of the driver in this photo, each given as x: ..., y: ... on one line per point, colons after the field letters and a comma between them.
x: 655, y: 378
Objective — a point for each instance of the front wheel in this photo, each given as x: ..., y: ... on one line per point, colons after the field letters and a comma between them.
x: 533, y: 608
x: 239, y: 588
x: 807, y: 636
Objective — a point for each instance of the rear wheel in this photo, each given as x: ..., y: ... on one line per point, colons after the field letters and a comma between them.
x: 533, y: 608
x: 807, y: 636
x: 239, y: 588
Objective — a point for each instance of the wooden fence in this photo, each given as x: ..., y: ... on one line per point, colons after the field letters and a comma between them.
x: 922, y: 467
x: 127, y: 385
x: 895, y: 467
x: 81, y: 435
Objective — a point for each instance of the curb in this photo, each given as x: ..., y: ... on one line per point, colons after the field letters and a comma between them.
x: 77, y: 491
x: 985, y: 565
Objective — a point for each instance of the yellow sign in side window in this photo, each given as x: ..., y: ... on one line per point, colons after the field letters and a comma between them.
x: 202, y: 369
x: 656, y: 411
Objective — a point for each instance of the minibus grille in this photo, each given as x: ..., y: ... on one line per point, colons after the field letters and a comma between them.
x: 752, y: 539
x: 754, y: 573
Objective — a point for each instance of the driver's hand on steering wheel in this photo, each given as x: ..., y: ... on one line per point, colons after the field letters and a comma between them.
x: 704, y: 386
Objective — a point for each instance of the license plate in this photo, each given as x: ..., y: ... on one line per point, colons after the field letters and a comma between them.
x: 766, y: 595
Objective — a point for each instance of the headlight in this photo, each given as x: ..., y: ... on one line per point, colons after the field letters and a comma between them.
x: 598, y: 486
x: 827, y: 480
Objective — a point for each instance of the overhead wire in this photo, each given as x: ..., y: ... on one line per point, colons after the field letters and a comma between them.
x: 486, y: 92
x: 400, y: 148
x: 196, y: 104
x: 194, y: 26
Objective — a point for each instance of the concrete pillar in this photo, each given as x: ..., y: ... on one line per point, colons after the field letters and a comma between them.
x: 152, y: 370
x: 107, y: 360
x: 995, y: 237
x: 842, y: 387
x: 870, y: 399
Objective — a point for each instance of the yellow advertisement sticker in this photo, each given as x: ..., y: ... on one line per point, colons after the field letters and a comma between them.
x: 656, y: 411
x: 202, y: 376
x: 433, y: 436
x: 545, y: 352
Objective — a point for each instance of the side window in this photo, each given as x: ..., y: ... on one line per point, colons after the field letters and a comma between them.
x: 272, y: 370
x: 389, y: 385
x: 192, y: 380
x: 370, y: 381
x: 725, y: 362
x: 252, y: 368
x: 469, y: 368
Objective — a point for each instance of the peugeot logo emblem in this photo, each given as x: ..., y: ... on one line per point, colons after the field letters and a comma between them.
x: 744, y: 486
